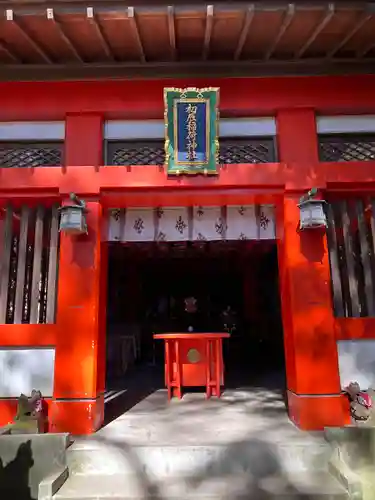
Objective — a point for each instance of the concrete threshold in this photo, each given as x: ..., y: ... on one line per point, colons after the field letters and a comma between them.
x: 241, y: 446
x: 233, y: 487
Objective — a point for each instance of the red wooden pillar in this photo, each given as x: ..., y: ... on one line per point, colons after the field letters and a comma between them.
x: 78, y: 405
x: 310, y: 345
x: 83, y: 140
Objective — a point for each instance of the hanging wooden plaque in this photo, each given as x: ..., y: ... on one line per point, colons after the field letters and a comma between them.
x: 191, y: 130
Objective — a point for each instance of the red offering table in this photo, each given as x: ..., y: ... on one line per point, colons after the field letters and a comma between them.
x: 193, y: 360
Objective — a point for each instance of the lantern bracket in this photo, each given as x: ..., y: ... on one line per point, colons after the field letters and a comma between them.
x: 77, y: 201
x: 310, y: 195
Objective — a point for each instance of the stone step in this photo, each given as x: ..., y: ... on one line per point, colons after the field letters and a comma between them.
x: 165, y: 461
x: 236, y: 486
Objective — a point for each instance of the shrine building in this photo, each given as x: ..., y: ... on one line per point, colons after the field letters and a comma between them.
x: 153, y: 154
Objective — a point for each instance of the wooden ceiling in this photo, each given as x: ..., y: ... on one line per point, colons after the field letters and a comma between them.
x: 77, y: 40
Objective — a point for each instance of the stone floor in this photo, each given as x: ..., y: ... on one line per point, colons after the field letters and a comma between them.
x: 227, y: 448
x: 238, y: 414
x: 144, y: 416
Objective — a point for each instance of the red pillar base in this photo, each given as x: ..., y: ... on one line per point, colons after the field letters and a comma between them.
x: 8, y: 410
x: 312, y: 413
x: 76, y: 417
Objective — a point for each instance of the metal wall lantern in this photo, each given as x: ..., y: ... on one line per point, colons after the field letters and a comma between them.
x: 73, y: 216
x: 312, y: 213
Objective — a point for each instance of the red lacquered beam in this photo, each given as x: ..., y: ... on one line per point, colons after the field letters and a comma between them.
x: 178, y: 392
x: 208, y: 369
x: 207, y: 336
x: 168, y: 369
x: 218, y: 367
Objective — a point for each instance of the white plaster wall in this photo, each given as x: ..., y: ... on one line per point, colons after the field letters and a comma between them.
x: 344, y: 124
x: 115, y: 130
x: 357, y: 362
x: 22, y: 370
x: 32, y: 131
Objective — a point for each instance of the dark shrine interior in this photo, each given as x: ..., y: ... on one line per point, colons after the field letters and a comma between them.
x: 235, y: 285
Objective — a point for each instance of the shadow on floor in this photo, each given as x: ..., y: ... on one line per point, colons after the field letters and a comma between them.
x: 247, y: 378
x: 144, y: 380
x: 14, y: 476
x: 248, y: 469
x: 140, y: 382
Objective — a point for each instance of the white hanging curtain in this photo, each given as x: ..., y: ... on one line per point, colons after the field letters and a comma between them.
x: 249, y: 222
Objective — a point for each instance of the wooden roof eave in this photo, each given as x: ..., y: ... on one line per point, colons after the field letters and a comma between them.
x: 41, y: 41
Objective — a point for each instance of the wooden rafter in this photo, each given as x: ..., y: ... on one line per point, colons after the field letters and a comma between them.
x: 358, y: 25
x: 133, y: 19
x: 25, y: 35
x: 172, y: 32
x: 319, y: 28
x: 288, y: 18
x: 365, y: 50
x: 135, y: 30
x: 6, y: 50
x: 250, y: 12
x: 59, y: 28
x: 208, y: 31
x: 99, y: 33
